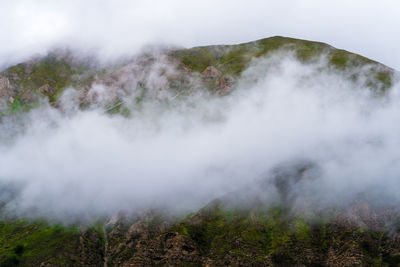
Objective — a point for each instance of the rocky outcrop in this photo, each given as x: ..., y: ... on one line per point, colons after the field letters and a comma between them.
x: 28, y: 96
x: 46, y: 89
x: 6, y: 90
x: 211, y: 72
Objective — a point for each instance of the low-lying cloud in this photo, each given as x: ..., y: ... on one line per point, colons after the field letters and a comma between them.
x: 183, y: 154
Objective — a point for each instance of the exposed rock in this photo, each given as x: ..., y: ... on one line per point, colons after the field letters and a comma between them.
x: 211, y: 72
x: 224, y: 84
x: 345, y: 255
x: 47, y: 89
x: 27, y: 96
x: 5, y: 87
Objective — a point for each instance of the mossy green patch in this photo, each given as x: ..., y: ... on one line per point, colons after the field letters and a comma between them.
x: 29, y: 244
x: 197, y: 59
x: 247, y: 235
x: 47, y: 77
x: 51, y: 71
x: 19, y: 106
x: 385, y: 78
x: 339, y: 59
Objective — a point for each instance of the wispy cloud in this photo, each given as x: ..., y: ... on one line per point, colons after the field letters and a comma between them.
x: 183, y: 155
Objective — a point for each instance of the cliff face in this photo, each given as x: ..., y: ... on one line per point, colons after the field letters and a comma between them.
x: 228, y: 231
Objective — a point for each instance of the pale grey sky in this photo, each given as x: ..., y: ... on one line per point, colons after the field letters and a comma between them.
x: 117, y: 27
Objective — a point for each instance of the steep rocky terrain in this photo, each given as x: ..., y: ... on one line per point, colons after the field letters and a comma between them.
x: 228, y: 231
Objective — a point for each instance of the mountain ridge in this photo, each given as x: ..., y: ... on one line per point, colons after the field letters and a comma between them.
x: 238, y: 229
x: 23, y: 84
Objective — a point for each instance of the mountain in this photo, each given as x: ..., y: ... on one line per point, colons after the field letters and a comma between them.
x: 237, y: 229
x: 22, y: 85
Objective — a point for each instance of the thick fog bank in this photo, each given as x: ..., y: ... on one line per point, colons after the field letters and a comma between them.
x: 184, y: 152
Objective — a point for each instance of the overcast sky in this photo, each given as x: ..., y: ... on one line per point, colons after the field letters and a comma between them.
x: 113, y: 28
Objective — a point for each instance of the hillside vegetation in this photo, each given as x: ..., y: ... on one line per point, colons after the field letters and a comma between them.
x: 219, y: 234
x: 214, y: 67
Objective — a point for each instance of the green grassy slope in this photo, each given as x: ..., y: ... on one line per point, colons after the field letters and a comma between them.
x: 233, y: 59
x: 46, y: 77
x: 24, y: 243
